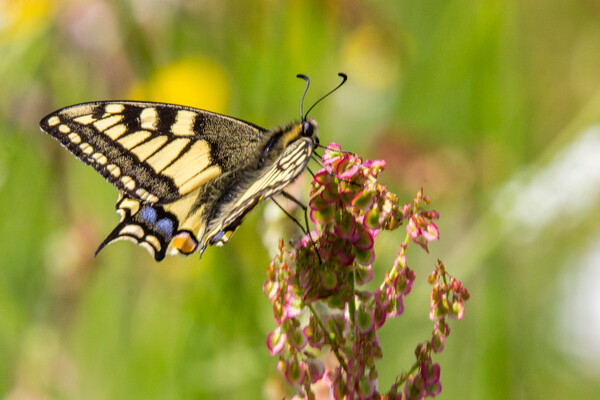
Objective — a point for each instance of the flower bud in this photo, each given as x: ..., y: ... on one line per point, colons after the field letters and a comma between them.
x: 294, y: 372
x: 276, y: 340
x: 364, y: 319
x: 366, y: 387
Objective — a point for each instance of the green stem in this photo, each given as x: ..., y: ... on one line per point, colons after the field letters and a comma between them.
x: 409, y: 373
x: 352, y: 302
x: 414, y: 367
x: 402, y: 252
x: 328, y: 338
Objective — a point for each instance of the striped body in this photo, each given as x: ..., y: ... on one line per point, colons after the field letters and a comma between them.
x: 186, y: 177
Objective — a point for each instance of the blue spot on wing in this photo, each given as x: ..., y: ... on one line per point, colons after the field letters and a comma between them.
x: 165, y: 226
x: 217, y: 237
x: 148, y: 214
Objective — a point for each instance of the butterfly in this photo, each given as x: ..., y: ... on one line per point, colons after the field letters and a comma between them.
x: 186, y: 177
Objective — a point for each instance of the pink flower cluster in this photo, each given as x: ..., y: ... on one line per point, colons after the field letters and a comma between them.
x: 316, y: 289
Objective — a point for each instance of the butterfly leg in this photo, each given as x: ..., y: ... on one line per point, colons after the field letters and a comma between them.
x: 286, y: 212
x: 305, y: 209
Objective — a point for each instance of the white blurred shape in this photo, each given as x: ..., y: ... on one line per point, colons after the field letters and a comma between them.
x: 560, y: 196
x: 565, y: 189
x: 579, y: 310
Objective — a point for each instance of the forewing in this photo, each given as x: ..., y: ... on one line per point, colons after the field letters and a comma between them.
x: 153, y: 152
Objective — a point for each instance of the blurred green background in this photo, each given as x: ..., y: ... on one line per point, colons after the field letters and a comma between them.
x: 492, y: 106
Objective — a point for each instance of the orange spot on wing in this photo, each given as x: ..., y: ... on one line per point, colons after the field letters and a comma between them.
x: 185, y: 243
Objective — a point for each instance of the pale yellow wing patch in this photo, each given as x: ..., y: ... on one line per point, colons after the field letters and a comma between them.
x: 166, y: 155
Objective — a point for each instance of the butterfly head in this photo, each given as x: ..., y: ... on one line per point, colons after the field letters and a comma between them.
x: 309, y: 130
x: 305, y: 130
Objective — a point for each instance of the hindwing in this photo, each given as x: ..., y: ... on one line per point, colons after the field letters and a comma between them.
x: 161, y: 229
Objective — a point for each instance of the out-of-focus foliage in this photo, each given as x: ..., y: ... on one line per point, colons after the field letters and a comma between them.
x: 493, y: 107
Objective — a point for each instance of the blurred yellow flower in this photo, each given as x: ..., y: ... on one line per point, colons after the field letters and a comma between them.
x: 191, y: 82
x: 22, y: 17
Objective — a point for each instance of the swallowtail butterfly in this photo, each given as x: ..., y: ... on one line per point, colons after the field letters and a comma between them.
x: 186, y: 177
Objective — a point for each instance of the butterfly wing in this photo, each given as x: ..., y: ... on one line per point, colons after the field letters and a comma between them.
x: 163, y: 158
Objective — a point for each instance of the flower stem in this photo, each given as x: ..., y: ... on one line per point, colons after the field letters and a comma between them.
x: 352, y: 301
x: 404, y: 377
x: 328, y: 338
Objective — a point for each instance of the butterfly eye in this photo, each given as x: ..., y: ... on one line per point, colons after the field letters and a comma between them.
x: 308, y: 129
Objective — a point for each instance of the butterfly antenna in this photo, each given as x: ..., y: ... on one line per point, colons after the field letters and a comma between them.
x: 302, y: 76
x: 344, y: 79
